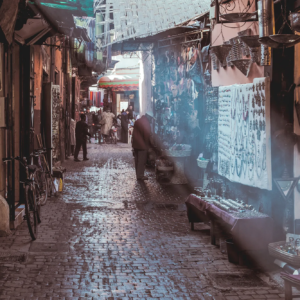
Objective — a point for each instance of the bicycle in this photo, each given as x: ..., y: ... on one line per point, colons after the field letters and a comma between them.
x: 44, y: 176
x: 32, y: 213
x: 43, y: 163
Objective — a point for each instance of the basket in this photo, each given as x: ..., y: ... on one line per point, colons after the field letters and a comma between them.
x: 202, y: 163
x: 292, y: 259
x: 177, y: 153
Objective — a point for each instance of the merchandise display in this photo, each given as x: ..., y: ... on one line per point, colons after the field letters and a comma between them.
x: 211, y: 120
x: 244, y: 144
x: 177, y: 93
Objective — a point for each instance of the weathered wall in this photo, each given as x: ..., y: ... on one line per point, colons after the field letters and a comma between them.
x: 16, y: 114
x: 38, y: 79
x: 2, y: 130
x: 229, y: 76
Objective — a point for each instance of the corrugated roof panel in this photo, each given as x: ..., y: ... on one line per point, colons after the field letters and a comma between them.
x: 141, y: 18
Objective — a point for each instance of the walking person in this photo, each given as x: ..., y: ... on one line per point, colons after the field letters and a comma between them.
x: 141, y: 144
x: 124, y: 125
x: 107, y: 122
x: 81, y: 132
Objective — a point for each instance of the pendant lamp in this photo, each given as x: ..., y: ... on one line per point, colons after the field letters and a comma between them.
x: 254, y: 46
x: 221, y: 53
x: 243, y: 65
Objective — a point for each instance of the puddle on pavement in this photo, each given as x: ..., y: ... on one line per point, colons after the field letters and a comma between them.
x: 112, y: 184
x: 237, y: 280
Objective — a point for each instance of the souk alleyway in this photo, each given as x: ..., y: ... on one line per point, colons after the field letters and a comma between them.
x: 108, y: 237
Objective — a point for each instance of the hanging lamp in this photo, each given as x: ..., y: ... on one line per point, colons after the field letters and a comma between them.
x: 254, y: 46
x: 281, y: 40
x: 243, y: 65
x: 221, y: 52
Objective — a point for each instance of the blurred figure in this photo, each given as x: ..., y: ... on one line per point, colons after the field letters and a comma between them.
x: 141, y: 144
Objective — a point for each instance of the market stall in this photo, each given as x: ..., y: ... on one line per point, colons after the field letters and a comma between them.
x: 234, y: 219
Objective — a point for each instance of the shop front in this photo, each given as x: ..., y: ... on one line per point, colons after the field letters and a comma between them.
x: 179, y: 109
x: 250, y: 124
x: 122, y: 91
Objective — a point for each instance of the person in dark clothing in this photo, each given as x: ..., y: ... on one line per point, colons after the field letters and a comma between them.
x: 141, y: 143
x: 81, y: 132
x: 130, y: 112
x: 124, y: 125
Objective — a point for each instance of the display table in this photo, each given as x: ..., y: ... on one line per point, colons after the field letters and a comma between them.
x: 178, y: 157
x: 251, y: 231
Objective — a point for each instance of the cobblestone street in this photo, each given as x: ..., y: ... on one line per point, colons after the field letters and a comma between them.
x: 108, y: 236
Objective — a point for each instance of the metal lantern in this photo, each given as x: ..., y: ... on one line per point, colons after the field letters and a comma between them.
x: 221, y: 52
x: 254, y: 46
x: 243, y: 65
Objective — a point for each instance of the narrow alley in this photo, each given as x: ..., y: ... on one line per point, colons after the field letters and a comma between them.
x: 108, y: 236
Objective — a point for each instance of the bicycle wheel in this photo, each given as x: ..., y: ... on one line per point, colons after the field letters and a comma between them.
x: 42, y: 179
x: 31, y: 211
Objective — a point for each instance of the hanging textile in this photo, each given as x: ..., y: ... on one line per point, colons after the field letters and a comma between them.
x: 95, y: 99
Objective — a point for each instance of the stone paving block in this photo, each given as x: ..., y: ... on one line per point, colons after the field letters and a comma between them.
x: 106, y: 242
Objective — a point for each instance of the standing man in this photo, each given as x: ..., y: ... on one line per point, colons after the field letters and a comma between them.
x: 124, y: 126
x: 141, y: 143
x: 81, y: 133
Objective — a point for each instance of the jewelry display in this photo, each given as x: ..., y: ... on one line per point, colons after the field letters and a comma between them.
x: 212, y: 110
x: 244, y: 150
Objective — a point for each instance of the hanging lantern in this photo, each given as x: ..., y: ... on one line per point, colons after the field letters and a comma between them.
x: 243, y: 65
x: 266, y: 28
x: 254, y: 46
x: 295, y: 21
x: 221, y: 53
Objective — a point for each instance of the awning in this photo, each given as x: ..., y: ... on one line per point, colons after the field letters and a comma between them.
x: 8, y: 16
x: 58, y: 14
x: 119, y: 83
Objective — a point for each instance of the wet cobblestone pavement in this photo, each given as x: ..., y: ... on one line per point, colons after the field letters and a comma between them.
x: 109, y: 237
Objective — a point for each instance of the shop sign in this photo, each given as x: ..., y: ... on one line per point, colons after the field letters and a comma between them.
x: 293, y: 239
